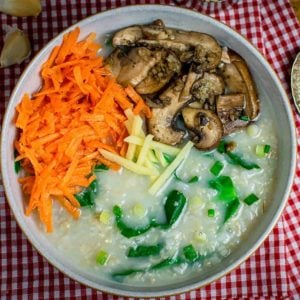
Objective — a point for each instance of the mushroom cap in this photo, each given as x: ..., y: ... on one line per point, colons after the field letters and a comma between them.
x: 160, y: 74
x: 207, y: 88
x: 238, y: 79
x: 127, y: 36
x: 229, y: 109
x: 162, y: 122
x: 204, y: 49
x: 205, y: 127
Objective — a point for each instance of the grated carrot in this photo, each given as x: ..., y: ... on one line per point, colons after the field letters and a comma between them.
x: 78, y: 110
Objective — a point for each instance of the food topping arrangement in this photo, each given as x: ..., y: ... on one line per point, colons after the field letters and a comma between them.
x: 115, y: 142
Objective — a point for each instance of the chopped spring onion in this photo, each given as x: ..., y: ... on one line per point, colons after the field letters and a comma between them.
x: 211, y: 212
x: 100, y: 168
x: 17, y: 166
x: 217, y: 168
x: 222, y: 147
x: 244, y: 118
x: 249, y: 200
x: 252, y: 130
x: 168, y: 158
x: 267, y: 149
x: 17, y: 163
x: 102, y: 258
x: 190, y: 253
x: 262, y: 150
x: 139, y: 210
x: 105, y: 217
x: 191, y: 180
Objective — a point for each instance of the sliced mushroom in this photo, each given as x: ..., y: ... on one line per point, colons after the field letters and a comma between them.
x: 136, y: 65
x: 114, y: 61
x: 154, y: 101
x: 162, y: 122
x: 225, y: 58
x: 189, y: 79
x: 206, y: 89
x: 203, y: 48
x: 230, y: 109
x: 160, y: 74
x: 204, y: 126
x: 238, y: 80
x: 127, y: 36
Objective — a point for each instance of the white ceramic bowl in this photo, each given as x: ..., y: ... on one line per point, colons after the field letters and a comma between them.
x: 269, y: 88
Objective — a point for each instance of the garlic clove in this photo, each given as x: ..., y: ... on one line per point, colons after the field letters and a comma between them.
x: 21, y: 8
x: 16, y: 48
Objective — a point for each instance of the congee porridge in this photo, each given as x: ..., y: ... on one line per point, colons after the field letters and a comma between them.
x: 152, y: 164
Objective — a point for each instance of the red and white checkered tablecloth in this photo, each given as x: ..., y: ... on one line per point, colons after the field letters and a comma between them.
x: 273, y: 271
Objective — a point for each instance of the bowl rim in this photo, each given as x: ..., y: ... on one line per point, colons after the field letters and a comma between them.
x: 288, y: 107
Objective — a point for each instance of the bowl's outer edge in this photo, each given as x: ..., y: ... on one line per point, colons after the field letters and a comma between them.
x: 61, y: 266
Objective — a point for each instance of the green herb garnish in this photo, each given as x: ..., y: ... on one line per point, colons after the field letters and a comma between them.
x: 190, y: 253
x: 217, y: 168
x: 144, y: 251
x: 102, y: 258
x: 173, y: 208
x: 252, y: 198
x: 234, y: 158
x: 211, y: 212
x: 17, y: 164
x: 244, y: 118
x: 168, y: 158
x: 225, y: 187
x: 191, y: 180
x: 87, y: 196
x: 231, y: 208
x: 102, y: 167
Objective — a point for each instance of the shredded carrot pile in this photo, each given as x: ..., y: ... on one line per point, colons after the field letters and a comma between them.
x: 78, y: 110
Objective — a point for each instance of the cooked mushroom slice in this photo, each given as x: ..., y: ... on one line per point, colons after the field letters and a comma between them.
x: 190, y: 78
x: 238, y: 80
x: 127, y: 36
x: 208, y: 52
x: 202, y: 48
x: 162, y: 122
x: 207, y: 88
x: 175, y: 46
x: 160, y: 74
x: 114, y: 61
x: 230, y: 109
x: 204, y: 126
x: 136, y: 65
x: 154, y: 101
x: 225, y: 56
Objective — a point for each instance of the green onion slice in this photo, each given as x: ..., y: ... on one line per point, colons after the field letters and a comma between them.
x: 217, y: 168
x: 190, y: 253
x: 252, y: 198
x: 102, y: 257
x: 211, y: 212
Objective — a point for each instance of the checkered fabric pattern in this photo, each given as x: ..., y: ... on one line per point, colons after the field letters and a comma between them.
x: 273, y: 271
